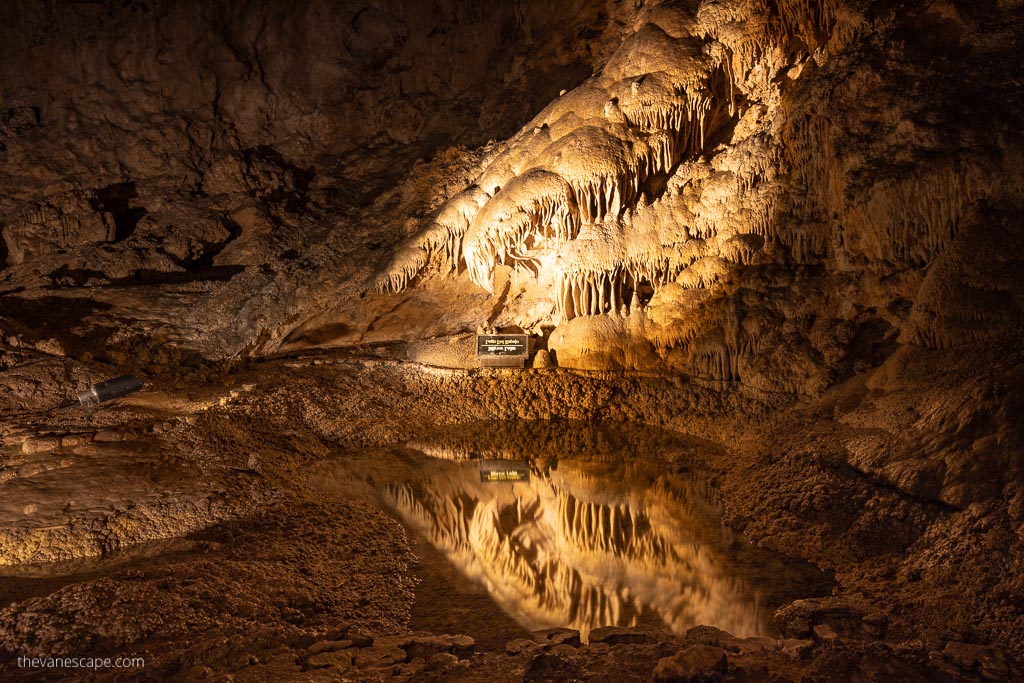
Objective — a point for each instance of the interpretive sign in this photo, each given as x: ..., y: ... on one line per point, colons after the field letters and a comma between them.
x: 502, y: 350
x: 493, y: 471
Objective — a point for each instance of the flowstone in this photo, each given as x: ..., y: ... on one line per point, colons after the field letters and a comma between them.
x: 702, y: 196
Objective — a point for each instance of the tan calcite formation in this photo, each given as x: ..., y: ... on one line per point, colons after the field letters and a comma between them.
x: 632, y: 205
x: 587, y: 159
x: 709, y: 152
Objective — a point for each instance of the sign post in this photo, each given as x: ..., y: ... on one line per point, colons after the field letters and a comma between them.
x: 502, y: 350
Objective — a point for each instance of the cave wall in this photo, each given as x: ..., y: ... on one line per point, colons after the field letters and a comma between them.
x: 189, y: 143
x: 184, y: 93
x: 793, y: 190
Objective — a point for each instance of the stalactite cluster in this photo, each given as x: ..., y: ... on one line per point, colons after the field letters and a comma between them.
x: 534, y: 214
x: 63, y: 222
x: 587, y: 158
x: 686, y: 160
x: 911, y: 221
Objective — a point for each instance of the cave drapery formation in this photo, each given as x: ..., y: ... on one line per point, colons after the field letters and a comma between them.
x: 642, y: 205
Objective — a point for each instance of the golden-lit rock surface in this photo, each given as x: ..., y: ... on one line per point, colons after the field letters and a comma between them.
x: 664, y: 193
x: 787, y: 231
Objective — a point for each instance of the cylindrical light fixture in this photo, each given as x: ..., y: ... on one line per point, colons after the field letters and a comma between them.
x: 110, y: 389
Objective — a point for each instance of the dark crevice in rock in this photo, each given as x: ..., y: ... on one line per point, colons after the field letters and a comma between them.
x: 211, y: 251
x: 872, y: 342
x: 201, y: 268
x: 16, y: 120
x: 317, y: 336
x: 116, y: 200
x: 934, y: 504
x: 157, y: 277
x: 292, y: 182
x: 78, y: 277
x: 50, y: 317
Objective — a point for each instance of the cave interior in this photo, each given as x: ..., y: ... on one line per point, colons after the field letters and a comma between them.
x: 759, y: 264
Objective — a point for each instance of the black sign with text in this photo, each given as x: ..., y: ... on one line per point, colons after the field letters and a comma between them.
x: 490, y: 345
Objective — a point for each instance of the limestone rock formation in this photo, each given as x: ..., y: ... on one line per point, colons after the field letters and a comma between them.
x: 542, y: 360
x: 665, y: 193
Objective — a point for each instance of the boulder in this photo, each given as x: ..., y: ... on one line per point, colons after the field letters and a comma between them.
x: 618, y: 635
x: 694, y: 664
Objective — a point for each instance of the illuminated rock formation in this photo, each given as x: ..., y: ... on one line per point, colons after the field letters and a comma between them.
x: 587, y: 159
x: 801, y: 220
x: 707, y: 153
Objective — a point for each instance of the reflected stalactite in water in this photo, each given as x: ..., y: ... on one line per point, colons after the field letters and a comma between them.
x: 607, y: 539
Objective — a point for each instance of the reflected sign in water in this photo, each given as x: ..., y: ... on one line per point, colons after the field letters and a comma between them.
x: 611, y: 527
x: 504, y: 471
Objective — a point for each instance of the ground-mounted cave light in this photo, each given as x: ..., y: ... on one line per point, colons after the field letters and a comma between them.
x: 108, y: 390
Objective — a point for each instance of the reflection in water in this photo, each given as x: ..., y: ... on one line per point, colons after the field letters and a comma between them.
x: 608, y: 530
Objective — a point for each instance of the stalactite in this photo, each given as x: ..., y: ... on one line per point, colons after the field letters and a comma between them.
x: 590, y: 293
x: 808, y: 19
x: 536, y: 207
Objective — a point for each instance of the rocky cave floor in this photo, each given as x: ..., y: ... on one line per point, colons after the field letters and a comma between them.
x: 270, y: 574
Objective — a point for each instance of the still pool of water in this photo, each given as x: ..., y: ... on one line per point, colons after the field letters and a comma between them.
x: 614, y: 525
